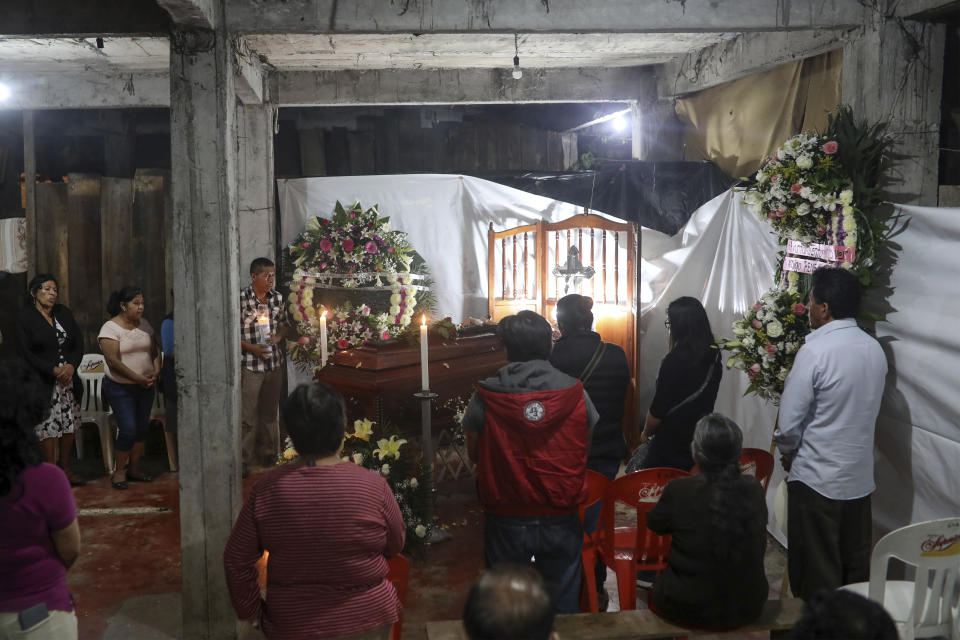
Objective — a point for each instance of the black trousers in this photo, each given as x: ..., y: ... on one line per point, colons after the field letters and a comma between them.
x: 828, y: 541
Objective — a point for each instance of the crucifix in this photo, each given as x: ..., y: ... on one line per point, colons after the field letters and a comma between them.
x: 573, y: 270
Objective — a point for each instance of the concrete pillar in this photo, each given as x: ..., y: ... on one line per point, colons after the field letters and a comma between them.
x: 893, y: 73
x: 255, y: 198
x: 205, y: 259
x: 657, y: 132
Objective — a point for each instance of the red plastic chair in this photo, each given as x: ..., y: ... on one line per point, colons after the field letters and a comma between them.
x: 597, y: 484
x: 759, y: 463
x: 399, y: 575
x: 632, y: 549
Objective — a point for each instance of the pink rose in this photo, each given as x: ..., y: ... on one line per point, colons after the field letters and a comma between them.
x: 305, y: 245
x: 304, y: 339
x: 326, y: 245
x: 385, y: 335
x: 371, y: 247
x: 821, y: 230
x: 342, y: 344
x: 830, y: 148
x: 391, y: 250
x: 782, y: 211
x: 756, y: 324
x: 365, y: 310
x: 775, y: 177
x: 796, y: 188
x: 771, y: 348
x: 755, y: 367
x: 772, y: 215
x: 757, y: 306
x: 799, y: 308
x: 751, y: 375
x: 347, y: 245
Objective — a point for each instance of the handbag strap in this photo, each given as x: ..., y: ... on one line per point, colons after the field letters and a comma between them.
x: 693, y: 396
x: 594, y: 362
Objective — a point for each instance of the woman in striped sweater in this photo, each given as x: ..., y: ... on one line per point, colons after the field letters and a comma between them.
x: 329, y: 526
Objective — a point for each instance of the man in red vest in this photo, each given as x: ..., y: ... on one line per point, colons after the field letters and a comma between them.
x: 528, y: 429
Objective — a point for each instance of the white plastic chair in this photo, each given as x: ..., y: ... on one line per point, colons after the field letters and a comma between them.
x: 92, y: 407
x: 926, y: 606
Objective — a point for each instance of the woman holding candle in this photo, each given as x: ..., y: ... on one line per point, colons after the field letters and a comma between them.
x: 133, y: 363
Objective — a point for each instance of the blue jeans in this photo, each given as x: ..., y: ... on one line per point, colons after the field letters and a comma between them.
x: 554, y: 542
x: 131, y: 406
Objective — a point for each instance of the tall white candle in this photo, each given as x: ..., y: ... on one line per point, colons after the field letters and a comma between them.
x: 323, y: 338
x: 424, y: 355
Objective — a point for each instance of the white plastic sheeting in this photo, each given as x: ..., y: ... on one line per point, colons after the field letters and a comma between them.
x: 725, y: 256
x: 445, y: 216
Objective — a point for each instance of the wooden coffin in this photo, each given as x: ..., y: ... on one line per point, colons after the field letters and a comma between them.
x: 379, y: 383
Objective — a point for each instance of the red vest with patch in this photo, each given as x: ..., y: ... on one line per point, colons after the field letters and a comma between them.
x: 532, y: 452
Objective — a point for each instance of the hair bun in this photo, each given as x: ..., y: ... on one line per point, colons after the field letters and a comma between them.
x: 587, y: 303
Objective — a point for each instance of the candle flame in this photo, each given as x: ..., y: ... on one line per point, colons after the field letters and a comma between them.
x: 324, y: 314
x: 423, y: 320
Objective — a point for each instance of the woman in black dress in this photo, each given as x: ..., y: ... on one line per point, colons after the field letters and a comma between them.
x: 51, y: 344
x: 717, y: 519
x: 687, y: 386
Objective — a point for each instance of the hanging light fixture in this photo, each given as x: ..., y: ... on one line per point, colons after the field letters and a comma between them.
x: 517, y: 73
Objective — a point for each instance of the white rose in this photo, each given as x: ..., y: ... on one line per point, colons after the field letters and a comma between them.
x: 395, y: 299
x: 804, y: 161
x: 761, y: 351
x: 774, y: 329
x: 846, y: 196
x: 385, y: 227
x: 747, y: 342
x: 806, y: 192
x: 781, y: 154
x: 782, y: 375
x: 414, y: 483
x: 803, y: 209
x: 394, y: 310
x: 849, y: 224
x: 385, y: 469
x: 420, y: 530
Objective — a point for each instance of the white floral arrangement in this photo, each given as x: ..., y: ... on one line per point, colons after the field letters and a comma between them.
x: 766, y: 341
x: 804, y: 192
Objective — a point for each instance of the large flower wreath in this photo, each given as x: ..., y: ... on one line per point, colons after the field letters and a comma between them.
x: 821, y: 193
x: 362, y: 276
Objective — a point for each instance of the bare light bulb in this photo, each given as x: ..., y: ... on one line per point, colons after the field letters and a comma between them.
x: 619, y: 124
x: 517, y: 73
x: 4, y: 92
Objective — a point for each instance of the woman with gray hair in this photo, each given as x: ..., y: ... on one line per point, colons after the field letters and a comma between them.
x: 714, y: 577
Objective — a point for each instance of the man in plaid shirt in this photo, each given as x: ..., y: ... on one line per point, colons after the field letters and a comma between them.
x: 261, y: 373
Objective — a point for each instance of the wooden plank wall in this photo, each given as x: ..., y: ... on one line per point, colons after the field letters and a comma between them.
x: 97, y: 235
x: 385, y: 145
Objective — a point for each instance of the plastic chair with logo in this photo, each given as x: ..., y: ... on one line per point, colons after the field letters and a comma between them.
x: 93, y: 410
x: 597, y: 485
x: 636, y: 548
x: 757, y: 462
x: 928, y: 605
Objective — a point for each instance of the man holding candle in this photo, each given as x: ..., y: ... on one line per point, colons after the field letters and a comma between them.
x: 261, y: 358
x: 528, y: 430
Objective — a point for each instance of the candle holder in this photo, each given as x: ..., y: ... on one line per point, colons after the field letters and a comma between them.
x: 426, y: 400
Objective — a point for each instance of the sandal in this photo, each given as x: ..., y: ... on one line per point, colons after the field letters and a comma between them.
x: 139, y: 478
x: 122, y: 485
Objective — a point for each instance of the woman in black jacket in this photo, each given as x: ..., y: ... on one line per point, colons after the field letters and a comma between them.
x: 606, y: 383
x: 50, y: 343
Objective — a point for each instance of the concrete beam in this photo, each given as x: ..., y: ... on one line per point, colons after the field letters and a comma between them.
x: 83, y: 19
x: 741, y: 56
x: 87, y: 90
x: 561, y: 16
x: 922, y: 9
x: 193, y: 14
x: 250, y: 73
x: 452, y: 86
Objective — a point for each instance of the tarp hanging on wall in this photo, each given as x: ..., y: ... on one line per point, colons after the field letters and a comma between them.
x: 656, y: 195
x: 446, y: 217
x: 725, y: 256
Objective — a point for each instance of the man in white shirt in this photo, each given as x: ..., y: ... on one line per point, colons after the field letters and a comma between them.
x: 828, y: 415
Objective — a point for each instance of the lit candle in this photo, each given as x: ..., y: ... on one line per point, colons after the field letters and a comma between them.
x: 424, y: 356
x: 263, y: 326
x: 323, y: 338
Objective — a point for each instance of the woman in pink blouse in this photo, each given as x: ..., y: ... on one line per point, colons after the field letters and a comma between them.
x: 329, y: 526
